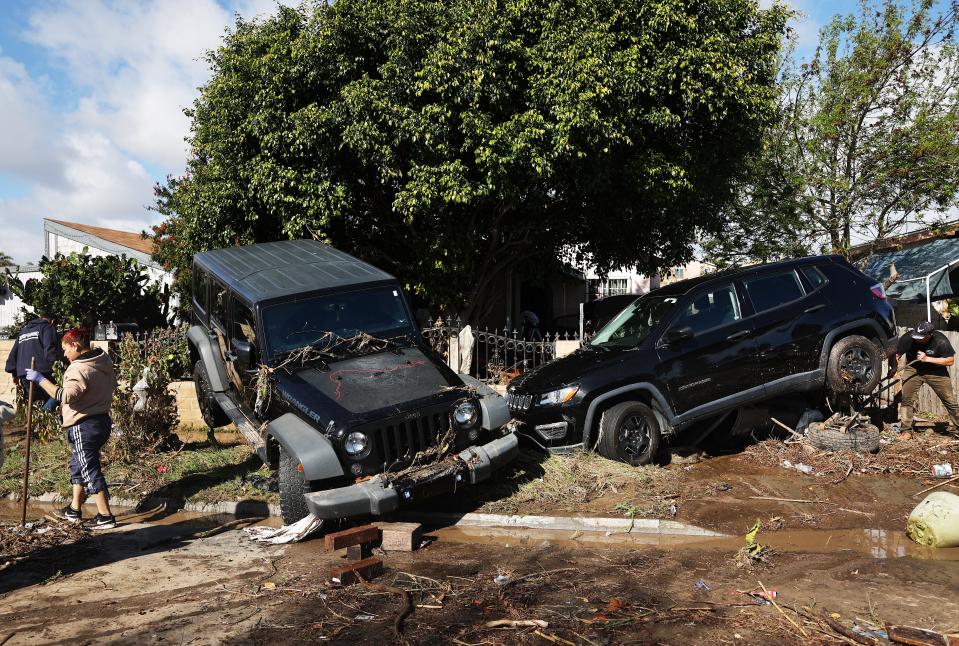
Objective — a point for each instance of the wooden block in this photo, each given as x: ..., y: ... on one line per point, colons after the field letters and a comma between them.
x: 354, y: 536
x: 350, y: 574
x: 916, y: 636
x: 400, y: 537
x: 359, y: 552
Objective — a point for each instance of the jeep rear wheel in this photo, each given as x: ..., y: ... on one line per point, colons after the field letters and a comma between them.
x: 293, y: 488
x: 629, y: 432
x: 855, y: 366
x: 212, y: 414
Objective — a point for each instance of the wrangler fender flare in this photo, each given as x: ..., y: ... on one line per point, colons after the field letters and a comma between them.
x: 307, y: 445
x: 493, y: 405
x: 200, y: 340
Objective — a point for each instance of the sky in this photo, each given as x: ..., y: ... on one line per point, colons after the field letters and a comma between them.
x: 92, y: 94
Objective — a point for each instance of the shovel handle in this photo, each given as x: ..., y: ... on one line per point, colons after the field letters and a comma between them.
x: 26, y: 456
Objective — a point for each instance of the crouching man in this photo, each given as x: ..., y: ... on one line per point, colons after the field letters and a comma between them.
x: 85, y: 397
x: 930, y: 354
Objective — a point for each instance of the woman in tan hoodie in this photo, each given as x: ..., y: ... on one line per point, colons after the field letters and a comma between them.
x: 85, y: 398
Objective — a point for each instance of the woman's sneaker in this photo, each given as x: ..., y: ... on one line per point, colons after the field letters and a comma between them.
x: 103, y: 522
x: 69, y: 514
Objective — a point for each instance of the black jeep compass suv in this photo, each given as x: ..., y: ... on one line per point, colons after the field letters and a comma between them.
x: 702, y: 353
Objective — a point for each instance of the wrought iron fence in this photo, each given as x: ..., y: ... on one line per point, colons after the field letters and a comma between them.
x: 493, y: 356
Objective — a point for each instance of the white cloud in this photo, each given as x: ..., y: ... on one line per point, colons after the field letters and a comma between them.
x: 27, y: 151
x: 132, y: 68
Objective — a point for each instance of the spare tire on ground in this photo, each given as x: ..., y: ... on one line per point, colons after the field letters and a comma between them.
x: 863, y: 438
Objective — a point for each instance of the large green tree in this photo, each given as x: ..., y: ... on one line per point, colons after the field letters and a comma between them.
x: 448, y: 141
x: 867, y: 142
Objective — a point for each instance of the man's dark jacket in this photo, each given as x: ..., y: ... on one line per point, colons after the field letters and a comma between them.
x: 38, y: 339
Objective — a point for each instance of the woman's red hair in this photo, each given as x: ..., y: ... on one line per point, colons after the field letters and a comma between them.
x: 80, y: 336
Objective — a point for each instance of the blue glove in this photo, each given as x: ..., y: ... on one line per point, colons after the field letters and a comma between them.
x: 34, y: 376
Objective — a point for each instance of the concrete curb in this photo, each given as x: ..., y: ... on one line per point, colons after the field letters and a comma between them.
x: 647, y: 526
x: 247, y: 507
x: 653, y: 526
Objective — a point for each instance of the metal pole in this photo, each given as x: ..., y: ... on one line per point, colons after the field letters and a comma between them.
x: 928, y: 300
x: 26, y: 457
x: 581, y: 315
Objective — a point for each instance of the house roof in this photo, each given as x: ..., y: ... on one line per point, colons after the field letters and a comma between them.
x: 910, y: 239
x: 123, y: 238
x: 270, y: 270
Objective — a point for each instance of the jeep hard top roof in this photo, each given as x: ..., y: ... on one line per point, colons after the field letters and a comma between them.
x: 272, y: 270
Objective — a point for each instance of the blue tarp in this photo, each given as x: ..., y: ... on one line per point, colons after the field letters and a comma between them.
x: 916, y: 263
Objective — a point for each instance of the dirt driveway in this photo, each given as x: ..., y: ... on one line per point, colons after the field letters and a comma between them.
x: 835, y: 549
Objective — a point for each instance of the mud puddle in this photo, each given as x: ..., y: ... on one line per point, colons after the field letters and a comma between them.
x: 873, y: 543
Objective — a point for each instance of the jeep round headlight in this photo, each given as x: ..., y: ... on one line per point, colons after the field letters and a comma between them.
x: 466, y: 413
x: 357, y: 445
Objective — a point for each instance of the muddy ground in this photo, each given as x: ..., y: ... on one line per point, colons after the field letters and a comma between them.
x: 835, y: 545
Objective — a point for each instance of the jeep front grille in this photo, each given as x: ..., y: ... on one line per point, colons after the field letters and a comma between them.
x: 397, y: 441
x: 518, y: 402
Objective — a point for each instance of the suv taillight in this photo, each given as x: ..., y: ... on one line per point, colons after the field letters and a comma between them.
x: 878, y: 291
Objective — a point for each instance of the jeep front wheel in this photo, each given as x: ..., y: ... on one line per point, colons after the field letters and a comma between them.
x: 855, y: 366
x: 629, y: 432
x: 212, y: 414
x: 293, y: 488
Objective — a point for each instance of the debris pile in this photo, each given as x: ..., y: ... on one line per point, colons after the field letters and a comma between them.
x: 910, y: 457
x: 18, y: 543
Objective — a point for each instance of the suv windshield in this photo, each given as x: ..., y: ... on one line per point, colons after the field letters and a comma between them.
x: 632, y: 325
x: 378, y: 312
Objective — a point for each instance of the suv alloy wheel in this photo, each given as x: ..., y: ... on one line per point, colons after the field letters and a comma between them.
x: 629, y: 432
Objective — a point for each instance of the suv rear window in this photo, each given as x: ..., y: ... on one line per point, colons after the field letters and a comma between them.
x: 814, y: 276
x: 774, y: 290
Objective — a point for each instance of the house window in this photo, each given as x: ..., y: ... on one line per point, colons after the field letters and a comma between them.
x: 680, y: 273
x: 616, y: 287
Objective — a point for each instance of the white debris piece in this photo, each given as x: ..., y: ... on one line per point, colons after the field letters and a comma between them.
x: 288, y: 533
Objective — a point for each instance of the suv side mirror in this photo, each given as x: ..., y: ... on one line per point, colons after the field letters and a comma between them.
x: 676, y: 334
x: 244, y: 354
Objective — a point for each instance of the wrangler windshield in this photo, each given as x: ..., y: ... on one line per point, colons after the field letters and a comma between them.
x: 632, y: 325
x: 378, y: 312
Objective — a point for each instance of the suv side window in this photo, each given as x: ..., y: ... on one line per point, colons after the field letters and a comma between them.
x: 244, y: 324
x: 219, y: 303
x: 714, y: 308
x: 767, y: 292
x: 814, y: 276
x: 201, y: 290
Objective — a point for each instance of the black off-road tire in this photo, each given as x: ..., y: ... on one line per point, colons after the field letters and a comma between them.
x: 293, y: 488
x: 855, y: 366
x: 629, y: 432
x: 862, y: 439
x: 213, y: 415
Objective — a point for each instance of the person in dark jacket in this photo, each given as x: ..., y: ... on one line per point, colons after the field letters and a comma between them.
x: 37, y: 340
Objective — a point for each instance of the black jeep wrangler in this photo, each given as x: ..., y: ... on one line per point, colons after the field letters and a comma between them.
x: 314, y: 355
x: 709, y: 356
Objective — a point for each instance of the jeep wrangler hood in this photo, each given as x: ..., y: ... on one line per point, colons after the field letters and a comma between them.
x: 368, y: 383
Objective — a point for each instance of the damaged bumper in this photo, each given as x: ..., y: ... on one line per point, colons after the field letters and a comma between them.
x: 384, y: 494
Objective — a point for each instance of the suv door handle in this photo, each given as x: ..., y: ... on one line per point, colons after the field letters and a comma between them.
x: 738, y: 335
x: 814, y: 308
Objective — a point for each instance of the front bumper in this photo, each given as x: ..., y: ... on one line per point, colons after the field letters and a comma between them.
x: 386, y: 493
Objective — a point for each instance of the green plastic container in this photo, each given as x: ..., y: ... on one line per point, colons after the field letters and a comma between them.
x: 935, y: 521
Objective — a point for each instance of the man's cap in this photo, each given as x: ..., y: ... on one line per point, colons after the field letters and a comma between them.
x: 922, y: 330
